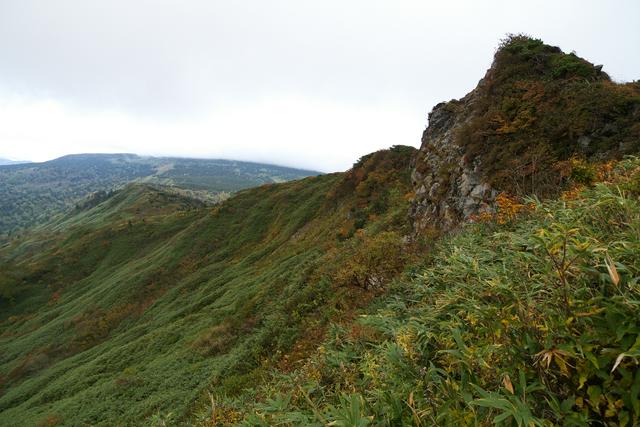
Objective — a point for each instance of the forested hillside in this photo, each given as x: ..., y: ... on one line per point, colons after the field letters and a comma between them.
x: 32, y: 193
x: 143, y: 302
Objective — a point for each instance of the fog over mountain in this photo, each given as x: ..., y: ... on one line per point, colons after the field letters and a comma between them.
x: 302, y: 84
x: 4, y: 162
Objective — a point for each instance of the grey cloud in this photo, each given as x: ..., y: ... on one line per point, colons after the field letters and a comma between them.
x: 186, y: 55
x: 180, y: 59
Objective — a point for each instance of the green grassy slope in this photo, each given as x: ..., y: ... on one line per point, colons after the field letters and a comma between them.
x: 31, y: 193
x: 525, y: 320
x: 141, y: 303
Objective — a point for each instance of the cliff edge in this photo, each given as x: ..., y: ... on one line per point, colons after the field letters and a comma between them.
x: 534, y: 109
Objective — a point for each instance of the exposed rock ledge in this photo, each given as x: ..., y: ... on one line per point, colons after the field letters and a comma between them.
x: 535, y: 108
x: 448, y: 188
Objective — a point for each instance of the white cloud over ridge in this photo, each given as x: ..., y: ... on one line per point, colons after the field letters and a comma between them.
x: 285, y: 131
x: 293, y: 82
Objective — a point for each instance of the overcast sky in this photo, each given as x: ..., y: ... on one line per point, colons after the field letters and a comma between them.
x: 314, y: 84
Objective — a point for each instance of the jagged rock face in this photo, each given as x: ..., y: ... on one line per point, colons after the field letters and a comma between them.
x: 534, y: 111
x: 448, y: 188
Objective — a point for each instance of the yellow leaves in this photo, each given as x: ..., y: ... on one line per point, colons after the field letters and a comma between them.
x: 506, y: 322
x: 613, y: 407
x: 472, y: 320
x: 405, y: 340
x: 503, y: 127
x: 604, y: 171
x: 582, y: 379
x: 562, y: 364
x: 314, y: 374
x: 581, y: 246
x: 482, y: 217
x: 409, y: 196
x: 572, y: 194
x: 506, y: 381
x: 556, y: 355
x: 613, y: 271
x: 412, y: 405
x: 542, y: 327
x: 372, y: 368
x: 619, y: 360
x: 591, y: 312
x: 509, y: 207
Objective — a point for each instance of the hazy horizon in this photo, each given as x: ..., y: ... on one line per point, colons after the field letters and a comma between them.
x: 305, y: 85
x: 27, y: 161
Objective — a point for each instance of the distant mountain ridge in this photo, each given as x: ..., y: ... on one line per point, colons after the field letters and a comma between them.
x: 5, y: 162
x: 31, y: 193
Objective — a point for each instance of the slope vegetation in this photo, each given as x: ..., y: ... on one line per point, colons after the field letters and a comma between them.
x: 526, y: 319
x: 138, y: 305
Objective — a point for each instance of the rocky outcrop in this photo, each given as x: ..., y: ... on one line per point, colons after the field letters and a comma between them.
x: 534, y: 109
x: 448, y: 186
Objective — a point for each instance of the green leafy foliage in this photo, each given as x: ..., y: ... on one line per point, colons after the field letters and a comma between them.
x: 527, y: 322
x: 372, y: 260
x: 129, y: 310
